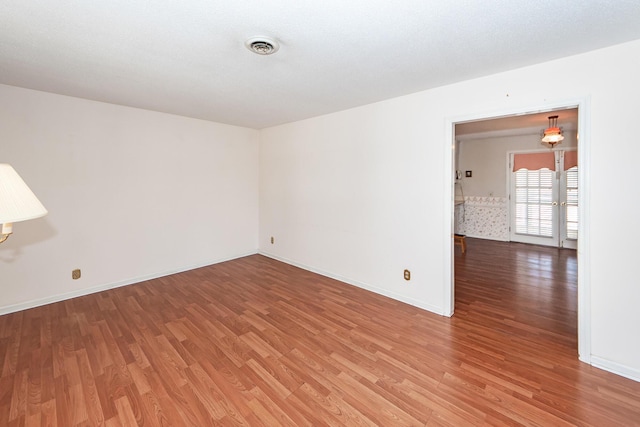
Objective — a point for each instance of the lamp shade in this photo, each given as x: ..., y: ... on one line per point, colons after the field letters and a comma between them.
x: 17, y: 201
x: 552, y: 135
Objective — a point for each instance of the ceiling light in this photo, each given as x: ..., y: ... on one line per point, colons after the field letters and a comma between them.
x: 553, y: 134
x: 262, y: 45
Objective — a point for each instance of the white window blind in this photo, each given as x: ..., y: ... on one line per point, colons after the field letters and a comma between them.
x: 572, y: 203
x: 534, y: 198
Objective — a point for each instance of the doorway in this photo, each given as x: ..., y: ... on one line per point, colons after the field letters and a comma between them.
x: 582, y: 109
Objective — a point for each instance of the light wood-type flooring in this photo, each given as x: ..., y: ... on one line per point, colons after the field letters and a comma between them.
x: 257, y: 342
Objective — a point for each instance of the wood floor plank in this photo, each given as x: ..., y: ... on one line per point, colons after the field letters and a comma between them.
x: 48, y: 416
x: 257, y: 342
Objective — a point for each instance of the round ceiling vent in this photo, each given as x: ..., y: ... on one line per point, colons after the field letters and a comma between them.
x: 262, y: 45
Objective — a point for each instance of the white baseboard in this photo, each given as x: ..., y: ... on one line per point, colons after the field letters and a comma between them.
x: 383, y: 292
x: 616, y: 368
x: 497, y: 239
x: 87, y: 291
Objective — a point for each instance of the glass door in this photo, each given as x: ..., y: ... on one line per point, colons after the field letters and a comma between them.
x: 568, y: 204
x: 544, y: 199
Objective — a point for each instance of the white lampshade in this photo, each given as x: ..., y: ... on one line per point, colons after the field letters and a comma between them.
x: 17, y: 201
x: 552, y: 135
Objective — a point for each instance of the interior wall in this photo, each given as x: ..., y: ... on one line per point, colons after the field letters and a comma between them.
x: 334, y: 195
x: 131, y: 194
x: 363, y: 194
x: 486, y: 157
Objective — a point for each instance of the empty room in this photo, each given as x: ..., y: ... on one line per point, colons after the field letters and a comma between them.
x: 246, y: 213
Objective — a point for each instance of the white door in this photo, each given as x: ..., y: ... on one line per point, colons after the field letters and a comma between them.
x: 569, y: 207
x: 544, y: 200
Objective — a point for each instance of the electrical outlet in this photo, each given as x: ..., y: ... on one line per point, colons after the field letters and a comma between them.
x: 407, y: 275
x: 75, y: 274
x: 272, y: 240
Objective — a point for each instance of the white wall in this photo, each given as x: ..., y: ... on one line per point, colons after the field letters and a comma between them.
x: 352, y: 194
x: 131, y: 194
x: 364, y: 193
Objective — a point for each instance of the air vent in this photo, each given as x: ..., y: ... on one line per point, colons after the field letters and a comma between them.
x: 262, y: 45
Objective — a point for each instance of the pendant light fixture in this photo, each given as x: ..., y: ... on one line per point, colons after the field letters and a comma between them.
x: 553, y: 134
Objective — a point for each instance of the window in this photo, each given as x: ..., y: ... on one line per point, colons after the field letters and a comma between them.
x: 572, y: 203
x: 544, y: 198
x: 534, y: 198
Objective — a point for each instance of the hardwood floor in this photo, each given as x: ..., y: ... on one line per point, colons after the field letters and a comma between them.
x: 257, y: 342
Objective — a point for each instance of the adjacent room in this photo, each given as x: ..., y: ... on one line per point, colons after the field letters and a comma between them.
x: 246, y: 214
x: 516, y: 183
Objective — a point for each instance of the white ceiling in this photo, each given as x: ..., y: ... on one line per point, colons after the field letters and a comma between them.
x: 188, y: 57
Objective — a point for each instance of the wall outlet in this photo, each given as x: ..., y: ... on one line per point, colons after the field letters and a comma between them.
x: 75, y: 274
x: 407, y: 275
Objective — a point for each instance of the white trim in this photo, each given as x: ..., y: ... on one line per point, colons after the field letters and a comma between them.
x: 362, y: 285
x: 486, y: 201
x: 584, y: 244
x: 537, y: 130
x: 87, y: 291
x: 448, y: 290
x: 616, y: 368
x: 477, y: 236
x: 584, y: 147
x: 508, y: 192
x: 501, y: 133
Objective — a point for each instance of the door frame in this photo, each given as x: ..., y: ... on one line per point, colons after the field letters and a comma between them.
x: 583, y: 251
